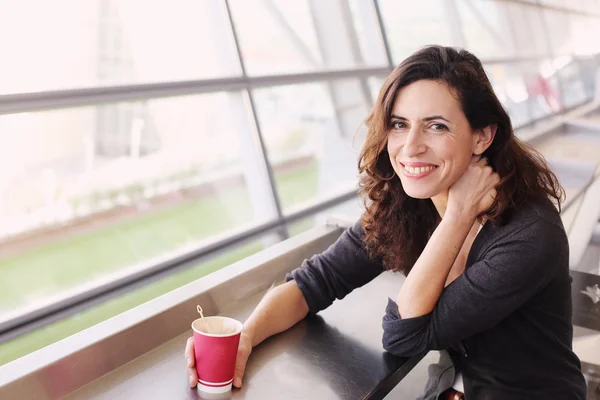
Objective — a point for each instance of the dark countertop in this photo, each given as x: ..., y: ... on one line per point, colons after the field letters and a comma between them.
x: 336, y: 354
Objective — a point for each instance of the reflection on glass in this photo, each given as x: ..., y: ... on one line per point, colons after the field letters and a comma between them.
x: 412, y: 25
x: 349, y: 211
x: 528, y: 27
x: 573, y: 90
x: 47, y: 335
x: 486, y: 27
x: 560, y: 39
x: 582, y: 29
x: 99, y: 189
x: 280, y: 36
x: 309, y: 132
x: 542, y: 85
x: 509, y: 86
x: 72, y: 43
x: 375, y: 84
x: 589, y: 67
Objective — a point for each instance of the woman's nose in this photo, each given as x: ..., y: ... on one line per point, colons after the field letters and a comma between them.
x: 414, y: 144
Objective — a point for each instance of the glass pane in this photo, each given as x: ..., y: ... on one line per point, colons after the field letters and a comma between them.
x: 368, y: 32
x: 484, y: 24
x: 573, y: 90
x: 309, y: 131
x: 556, y: 3
x: 592, y: 6
x: 412, y: 25
x: 526, y: 22
x: 508, y: 83
x: 560, y: 37
x: 99, y: 189
x: 54, y: 332
x: 582, y: 30
x: 72, y: 43
x: 375, y: 83
x: 542, y: 85
x: 281, y: 36
x: 348, y: 211
x: 590, y: 67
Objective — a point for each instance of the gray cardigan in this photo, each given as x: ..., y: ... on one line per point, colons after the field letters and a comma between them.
x: 506, y: 321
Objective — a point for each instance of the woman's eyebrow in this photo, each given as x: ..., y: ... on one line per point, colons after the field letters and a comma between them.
x: 426, y: 119
x: 435, y: 117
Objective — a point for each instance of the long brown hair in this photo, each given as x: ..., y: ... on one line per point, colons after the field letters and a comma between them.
x: 397, y: 227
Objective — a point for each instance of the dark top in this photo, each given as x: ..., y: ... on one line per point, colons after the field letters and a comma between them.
x: 506, y: 321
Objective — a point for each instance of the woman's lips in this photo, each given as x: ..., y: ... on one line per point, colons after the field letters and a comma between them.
x: 417, y: 170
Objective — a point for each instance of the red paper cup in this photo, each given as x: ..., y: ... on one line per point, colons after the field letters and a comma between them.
x: 216, y: 341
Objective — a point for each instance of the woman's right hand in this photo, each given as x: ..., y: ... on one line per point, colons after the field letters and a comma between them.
x: 244, y: 350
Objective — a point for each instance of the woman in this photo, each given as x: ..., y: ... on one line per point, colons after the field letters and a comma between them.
x: 460, y: 206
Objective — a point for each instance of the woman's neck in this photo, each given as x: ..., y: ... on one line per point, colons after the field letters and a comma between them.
x: 440, y: 201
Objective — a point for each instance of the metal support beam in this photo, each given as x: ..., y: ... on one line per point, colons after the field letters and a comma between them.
x: 28, y: 102
x: 265, y: 166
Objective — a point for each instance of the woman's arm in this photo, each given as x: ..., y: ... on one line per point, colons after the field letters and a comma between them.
x: 424, y: 284
x: 471, y: 195
x: 280, y: 309
x: 337, y: 271
x: 512, y: 271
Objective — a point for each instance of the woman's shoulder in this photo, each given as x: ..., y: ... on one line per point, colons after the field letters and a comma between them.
x: 533, y: 239
x: 543, y: 211
x: 536, y: 221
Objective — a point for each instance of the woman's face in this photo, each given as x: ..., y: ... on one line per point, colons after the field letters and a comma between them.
x: 430, y: 143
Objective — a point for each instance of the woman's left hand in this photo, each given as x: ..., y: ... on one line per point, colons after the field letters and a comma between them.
x: 474, y: 192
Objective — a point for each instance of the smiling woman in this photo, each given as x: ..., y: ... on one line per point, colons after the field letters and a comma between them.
x: 436, y: 114
x: 469, y: 214
x: 425, y: 144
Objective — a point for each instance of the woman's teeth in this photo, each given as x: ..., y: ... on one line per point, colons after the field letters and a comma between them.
x: 418, y: 170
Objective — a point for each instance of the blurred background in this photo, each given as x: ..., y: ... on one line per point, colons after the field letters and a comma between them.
x: 150, y: 143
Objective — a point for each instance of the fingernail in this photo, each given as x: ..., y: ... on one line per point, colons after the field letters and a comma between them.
x: 192, y: 381
x: 238, y: 383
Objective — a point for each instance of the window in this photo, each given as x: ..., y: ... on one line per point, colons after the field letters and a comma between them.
x: 412, y: 25
x: 309, y: 131
x: 558, y: 31
x: 101, y: 189
x: 49, y: 334
x: 487, y: 30
x: 279, y: 36
x: 528, y: 30
x: 74, y: 44
x: 509, y: 86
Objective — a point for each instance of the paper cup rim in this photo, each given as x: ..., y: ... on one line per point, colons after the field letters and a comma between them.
x: 237, y: 331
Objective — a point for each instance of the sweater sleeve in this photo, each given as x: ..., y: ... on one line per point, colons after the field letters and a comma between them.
x: 509, y: 274
x: 336, y: 272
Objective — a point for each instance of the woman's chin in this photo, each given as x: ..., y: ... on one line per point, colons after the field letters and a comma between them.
x: 419, y: 192
x: 421, y: 197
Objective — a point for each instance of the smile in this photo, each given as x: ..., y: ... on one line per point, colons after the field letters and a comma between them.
x: 418, y: 171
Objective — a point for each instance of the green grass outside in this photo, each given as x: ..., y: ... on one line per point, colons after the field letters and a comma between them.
x: 28, y: 276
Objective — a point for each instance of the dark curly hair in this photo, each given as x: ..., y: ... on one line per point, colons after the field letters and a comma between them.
x: 397, y: 227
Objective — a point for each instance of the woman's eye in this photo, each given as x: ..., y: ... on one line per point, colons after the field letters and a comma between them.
x: 398, y: 125
x: 439, y: 127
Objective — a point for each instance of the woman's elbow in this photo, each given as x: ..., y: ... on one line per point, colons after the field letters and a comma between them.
x: 404, y: 347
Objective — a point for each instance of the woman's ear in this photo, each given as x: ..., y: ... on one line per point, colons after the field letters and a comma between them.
x: 484, y: 139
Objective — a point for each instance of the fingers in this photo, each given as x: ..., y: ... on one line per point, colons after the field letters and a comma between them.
x: 190, y: 362
x: 240, y: 368
x: 192, y: 377
x: 190, y: 359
